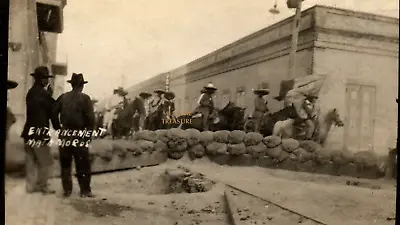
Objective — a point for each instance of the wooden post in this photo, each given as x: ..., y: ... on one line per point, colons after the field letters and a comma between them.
x: 295, y: 35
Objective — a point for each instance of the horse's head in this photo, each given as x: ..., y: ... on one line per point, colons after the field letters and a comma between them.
x: 335, y: 118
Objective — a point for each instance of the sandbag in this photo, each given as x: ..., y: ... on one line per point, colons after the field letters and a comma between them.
x: 252, y: 138
x: 160, y: 146
x: 323, y: 156
x: 302, y: 155
x: 221, y: 136
x: 365, y: 158
x: 176, y: 134
x: 310, y: 146
x: 146, y: 135
x: 257, y: 150
x: 135, y: 148
x: 283, y: 156
x: 177, y: 146
x: 120, y: 147
x: 290, y: 144
x: 274, y: 152
x: 162, y: 135
x: 100, y: 146
x: 216, y: 148
x: 206, y: 137
x: 341, y: 157
x: 272, y: 141
x: 197, y: 151
x: 237, y: 149
x: 14, y: 157
x: 193, y: 137
x: 236, y: 137
x: 175, y: 155
x: 146, y: 146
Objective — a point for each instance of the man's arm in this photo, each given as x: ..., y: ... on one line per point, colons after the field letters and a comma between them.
x: 88, y: 112
x: 55, y: 112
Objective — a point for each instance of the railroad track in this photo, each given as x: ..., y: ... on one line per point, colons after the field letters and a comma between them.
x: 245, y: 208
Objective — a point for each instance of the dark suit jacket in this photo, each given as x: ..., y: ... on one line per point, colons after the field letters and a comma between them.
x: 75, y: 110
x: 39, y: 104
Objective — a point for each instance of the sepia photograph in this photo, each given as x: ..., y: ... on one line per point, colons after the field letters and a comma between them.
x: 211, y: 112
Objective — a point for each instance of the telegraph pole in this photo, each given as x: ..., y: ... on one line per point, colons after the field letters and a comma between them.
x: 295, y: 34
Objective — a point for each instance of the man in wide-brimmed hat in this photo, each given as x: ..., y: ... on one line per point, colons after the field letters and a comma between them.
x: 77, y: 114
x: 206, y: 104
x: 260, y: 105
x: 39, y: 105
x: 10, y: 116
x: 169, y: 104
x: 140, y: 105
x: 155, y: 107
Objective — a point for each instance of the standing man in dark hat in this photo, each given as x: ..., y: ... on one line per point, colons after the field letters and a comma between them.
x: 260, y: 105
x: 155, y: 108
x: 140, y: 109
x: 10, y: 116
x: 39, y: 105
x: 206, y: 104
x: 76, y: 113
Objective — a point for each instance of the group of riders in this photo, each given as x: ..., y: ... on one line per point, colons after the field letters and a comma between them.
x: 300, y: 96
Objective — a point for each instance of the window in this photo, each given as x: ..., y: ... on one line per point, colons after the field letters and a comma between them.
x: 49, y: 18
x: 240, y: 96
x: 359, y: 127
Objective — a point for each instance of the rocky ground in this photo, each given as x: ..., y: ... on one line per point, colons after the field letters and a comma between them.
x: 143, y: 196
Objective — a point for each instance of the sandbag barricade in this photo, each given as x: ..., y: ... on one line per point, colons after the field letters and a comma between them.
x: 235, y: 148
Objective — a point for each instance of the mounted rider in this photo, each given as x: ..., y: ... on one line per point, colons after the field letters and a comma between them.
x: 169, y: 104
x: 302, y: 93
x: 260, y: 105
x: 206, y: 104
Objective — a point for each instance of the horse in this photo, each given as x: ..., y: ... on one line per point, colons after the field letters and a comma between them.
x: 291, y: 128
x: 230, y: 118
x: 269, y: 120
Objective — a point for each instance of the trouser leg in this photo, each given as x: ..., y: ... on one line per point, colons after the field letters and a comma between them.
x: 66, y: 168
x: 310, y: 128
x: 44, y: 162
x: 205, y: 120
x: 83, y: 170
x: 31, y: 169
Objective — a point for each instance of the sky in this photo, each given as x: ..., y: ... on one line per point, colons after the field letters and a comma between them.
x: 122, y: 42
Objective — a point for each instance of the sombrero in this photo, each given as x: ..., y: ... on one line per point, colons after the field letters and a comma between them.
x: 11, y: 84
x: 210, y: 86
x: 159, y: 91
x: 286, y: 86
x: 203, y: 91
x: 262, y: 89
x: 169, y: 95
x: 144, y: 94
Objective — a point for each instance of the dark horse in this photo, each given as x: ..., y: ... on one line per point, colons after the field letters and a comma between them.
x: 268, y: 120
x: 230, y: 118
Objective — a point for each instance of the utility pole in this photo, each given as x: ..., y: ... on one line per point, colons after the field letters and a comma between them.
x: 295, y: 34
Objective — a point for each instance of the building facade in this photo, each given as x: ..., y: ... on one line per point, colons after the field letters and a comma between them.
x: 357, y: 52
x: 33, y: 29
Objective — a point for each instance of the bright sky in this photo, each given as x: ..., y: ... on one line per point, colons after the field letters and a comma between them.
x: 109, y: 39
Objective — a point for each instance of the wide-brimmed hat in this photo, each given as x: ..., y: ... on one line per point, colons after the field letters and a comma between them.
x: 210, y: 86
x: 144, y: 94
x: 11, y: 84
x: 311, y: 97
x: 285, y: 87
x: 77, y: 79
x: 159, y: 91
x: 203, y: 91
x: 169, y: 95
x: 262, y: 89
x: 41, y: 72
